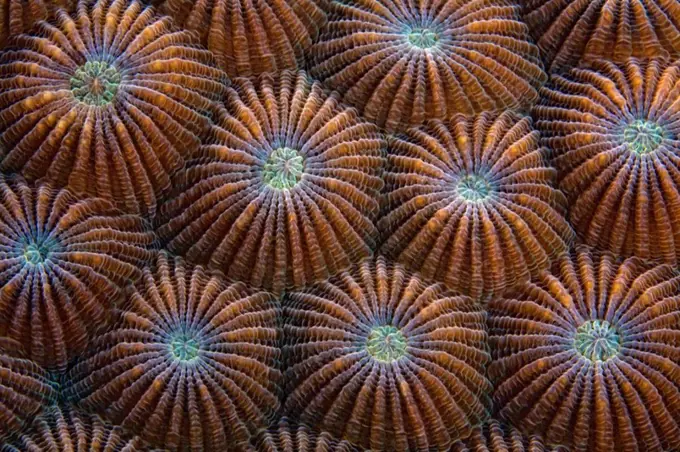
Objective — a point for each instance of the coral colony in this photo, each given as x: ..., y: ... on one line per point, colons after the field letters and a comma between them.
x: 340, y: 225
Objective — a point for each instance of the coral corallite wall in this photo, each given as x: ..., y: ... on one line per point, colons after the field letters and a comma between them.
x: 340, y: 225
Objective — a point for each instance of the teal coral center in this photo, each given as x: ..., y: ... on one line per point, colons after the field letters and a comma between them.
x: 283, y: 169
x: 96, y: 83
x: 643, y: 137
x: 37, y: 252
x: 386, y: 344
x: 474, y: 188
x: 597, y: 340
x: 184, y: 347
x: 423, y: 38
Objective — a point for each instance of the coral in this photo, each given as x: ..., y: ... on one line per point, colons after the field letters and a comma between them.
x: 19, y: 16
x: 24, y: 387
x: 251, y: 37
x: 612, y: 130
x: 401, y: 62
x: 588, y: 355
x: 64, y: 262
x: 494, y: 436
x: 287, y: 436
x: 284, y: 192
x: 470, y: 203
x: 191, y: 364
x: 66, y: 429
x: 570, y: 32
x: 379, y: 358
x: 108, y: 102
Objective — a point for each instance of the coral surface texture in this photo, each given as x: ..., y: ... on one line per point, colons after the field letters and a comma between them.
x: 339, y: 225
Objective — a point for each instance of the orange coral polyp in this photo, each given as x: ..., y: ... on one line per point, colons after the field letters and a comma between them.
x: 470, y: 202
x: 387, y: 225
x: 285, y: 192
x: 107, y: 100
x: 474, y: 187
x: 643, y: 137
x: 36, y: 253
x: 184, y: 347
x: 385, y: 360
x: 423, y: 37
x: 607, y: 362
x: 579, y: 32
x: 64, y: 263
x: 191, y: 363
x: 95, y: 83
x: 401, y: 62
x: 612, y: 131
x: 597, y: 340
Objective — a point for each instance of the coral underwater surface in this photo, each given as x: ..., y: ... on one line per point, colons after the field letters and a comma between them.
x: 63, y: 262
x: 385, y: 360
x: 285, y: 190
x: 569, y: 32
x: 108, y: 101
x: 190, y: 363
x: 401, y: 62
x: 248, y: 37
x: 340, y: 225
x: 471, y: 202
x: 63, y: 429
x: 593, y: 344
x: 19, y: 16
x: 25, y: 388
x: 495, y: 436
x: 613, y: 131
x: 288, y: 436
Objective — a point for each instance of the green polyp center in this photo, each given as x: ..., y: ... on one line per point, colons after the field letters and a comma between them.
x: 474, y: 188
x: 184, y: 347
x: 283, y: 169
x: 36, y: 254
x: 386, y: 344
x: 95, y: 83
x: 643, y: 137
x: 423, y: 38
x: 597, y: 340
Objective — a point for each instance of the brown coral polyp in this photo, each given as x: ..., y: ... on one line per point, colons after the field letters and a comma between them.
x: 400, y: 63
x: 587, y: 355
x: 286, y: 189
x: 495, y: 436
x: 613, y: 134
x: 107, y: 101
x: 384, y: 360
x: 20, y: 16
x: 64, y: 264
x: 96, y: 83
x: 25, y: 389
x: 423, y: 37
x: 191, y: 364
x: 573, y: 32
x: 252, y: 37
x: 68, y: 429
x: 471, y: 202
x: 289, y: 436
